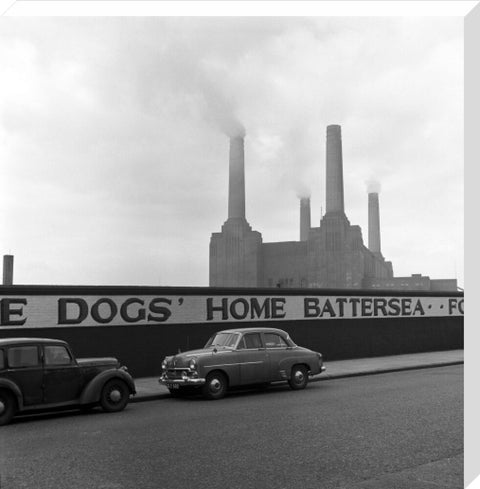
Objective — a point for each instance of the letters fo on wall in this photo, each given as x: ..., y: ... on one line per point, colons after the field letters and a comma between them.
x: 73, y: 311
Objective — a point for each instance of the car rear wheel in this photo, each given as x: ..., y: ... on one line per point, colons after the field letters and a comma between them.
x: 299, y: 378
x: 215, y: 386
x: 8, y: 406
x: 115, y: 395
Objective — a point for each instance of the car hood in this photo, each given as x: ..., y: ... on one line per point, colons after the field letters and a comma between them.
x: 183, y: 359
x: 98, y: 362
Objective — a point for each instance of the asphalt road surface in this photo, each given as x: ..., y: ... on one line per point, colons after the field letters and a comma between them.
x: 391, y: 431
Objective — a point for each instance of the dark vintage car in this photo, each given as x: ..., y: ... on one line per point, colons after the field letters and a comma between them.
x: 237, y: 357
x: 39, y: 373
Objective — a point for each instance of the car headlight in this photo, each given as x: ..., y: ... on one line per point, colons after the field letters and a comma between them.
x: 164, y: 364
x: 193, y: 364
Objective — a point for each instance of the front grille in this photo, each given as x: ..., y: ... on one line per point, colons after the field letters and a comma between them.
x: 175, y: 374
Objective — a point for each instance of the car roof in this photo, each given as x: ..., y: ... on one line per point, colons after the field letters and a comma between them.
x: 255, y: 330
x: 29, y: 341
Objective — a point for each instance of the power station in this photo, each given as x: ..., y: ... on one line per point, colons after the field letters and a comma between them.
x: 332, y: 255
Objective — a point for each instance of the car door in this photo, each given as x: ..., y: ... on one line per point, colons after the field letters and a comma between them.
x: 26, y: 370
x: 62, y: 375
x: 277, y: 350
x: 252, y: 358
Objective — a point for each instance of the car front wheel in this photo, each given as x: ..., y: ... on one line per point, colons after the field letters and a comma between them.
x: 115, y: 395
x: 8, y: 406
x: 299, y: 378
x: 215, y: 386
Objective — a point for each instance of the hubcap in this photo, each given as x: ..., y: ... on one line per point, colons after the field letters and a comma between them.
x: 2, y: 407
x: 115, y: 395
x: 215, y: 385
x: 299, y: 376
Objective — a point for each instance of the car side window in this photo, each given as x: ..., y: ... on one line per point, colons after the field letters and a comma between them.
x: 22, y: 356
x: 241, y: 344
x: 253, y: 340
x: 2, y: 360
x: 57, y: 355
x: 273, y: 340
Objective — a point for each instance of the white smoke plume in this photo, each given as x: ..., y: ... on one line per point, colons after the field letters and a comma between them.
x: 204, y: 80
x: 373, y: 186
x: 303, y: 191
x: 220, y: 112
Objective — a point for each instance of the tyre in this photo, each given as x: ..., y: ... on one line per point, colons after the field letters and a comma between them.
x: 8, y: 406
x: 215, y: 386
x: 299, y: 378
x: 115, y: 396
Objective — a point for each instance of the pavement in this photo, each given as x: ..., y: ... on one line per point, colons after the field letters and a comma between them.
x: 149, y: 389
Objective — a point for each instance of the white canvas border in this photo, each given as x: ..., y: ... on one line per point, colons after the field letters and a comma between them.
x: 468, y: 9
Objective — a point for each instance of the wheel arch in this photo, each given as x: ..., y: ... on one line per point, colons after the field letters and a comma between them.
x: 9, y: 386
x: 289, y: 363
x: 91, y: 393
x: 222, y: 371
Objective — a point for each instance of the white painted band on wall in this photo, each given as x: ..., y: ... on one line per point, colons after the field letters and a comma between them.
x: 31, y: 311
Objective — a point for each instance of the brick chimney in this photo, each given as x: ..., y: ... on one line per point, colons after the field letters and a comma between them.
x: 7, y: 269
x: 334, y: 177
x: 373, y: 223
x: 236, y: 186
x: 305, y: 218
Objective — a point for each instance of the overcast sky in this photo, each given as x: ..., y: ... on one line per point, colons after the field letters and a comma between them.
x: 114, y: 146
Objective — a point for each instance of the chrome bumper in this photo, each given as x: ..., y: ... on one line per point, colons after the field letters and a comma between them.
x: 182, y: 382
x: 322, y: 369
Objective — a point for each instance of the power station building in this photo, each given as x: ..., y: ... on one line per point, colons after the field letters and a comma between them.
x: 332, y: 255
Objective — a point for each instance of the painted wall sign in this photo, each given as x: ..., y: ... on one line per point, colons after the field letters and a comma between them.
x: 44, y: 311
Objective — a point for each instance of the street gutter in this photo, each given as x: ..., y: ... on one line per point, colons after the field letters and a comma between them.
x: 326, y: 376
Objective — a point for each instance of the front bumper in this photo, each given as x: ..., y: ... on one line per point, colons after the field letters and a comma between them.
x: 184, y: 381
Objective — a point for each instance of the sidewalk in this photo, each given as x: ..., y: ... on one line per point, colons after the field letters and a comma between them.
x: 149, y: 389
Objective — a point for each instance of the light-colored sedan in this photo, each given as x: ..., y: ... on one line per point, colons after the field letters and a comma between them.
x: 240, y: 357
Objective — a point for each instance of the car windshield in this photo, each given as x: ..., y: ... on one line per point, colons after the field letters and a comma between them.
x: 228, y: 340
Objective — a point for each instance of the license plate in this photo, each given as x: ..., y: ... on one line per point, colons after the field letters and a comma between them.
x: 173, y: 385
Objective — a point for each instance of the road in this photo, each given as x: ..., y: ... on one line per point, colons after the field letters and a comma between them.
x: 391, y: 431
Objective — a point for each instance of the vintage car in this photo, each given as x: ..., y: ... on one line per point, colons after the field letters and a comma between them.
x: 39, y: 373
x: 238, y: 357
